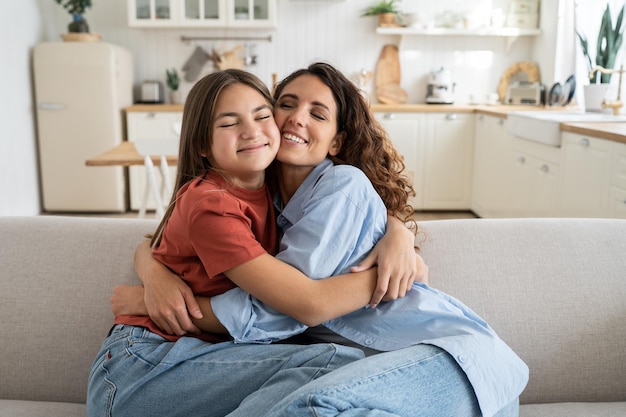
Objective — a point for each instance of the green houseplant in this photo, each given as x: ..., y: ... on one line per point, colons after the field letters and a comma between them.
x: 77, y: 9
x: 608, y: 45
x: 386, y: 10
x: 172, y: 80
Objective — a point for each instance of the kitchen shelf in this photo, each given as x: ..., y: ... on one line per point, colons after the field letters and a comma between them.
x: 509, y: 33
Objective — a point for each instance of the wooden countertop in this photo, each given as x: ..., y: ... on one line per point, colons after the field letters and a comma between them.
x: 615, y: 131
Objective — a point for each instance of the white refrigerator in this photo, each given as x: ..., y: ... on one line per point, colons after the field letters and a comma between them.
x: 81, y: 89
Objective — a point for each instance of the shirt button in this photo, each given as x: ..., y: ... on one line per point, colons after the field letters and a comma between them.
x: 462, y: 358
x: 369, y: 341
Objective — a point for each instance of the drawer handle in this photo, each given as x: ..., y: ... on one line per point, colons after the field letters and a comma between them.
x: 584, y: 142
x: 388, y: 116
x: 451, y: 116
x: 150, y: 115
x: 545, y: 168
x: 521, y: 160
x: 500, y: 122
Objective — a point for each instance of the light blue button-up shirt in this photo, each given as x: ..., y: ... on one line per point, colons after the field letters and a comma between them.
x: 330, y: 224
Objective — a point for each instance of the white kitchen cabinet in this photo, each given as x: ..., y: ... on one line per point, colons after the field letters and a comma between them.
x: 449, y: 150
x: 617, y: 191
x: 535, y: 179
x: 149, y: 125
x: 437, y: 150
x: 202, y: 13
x: 585, y: 167
x: 406, y: 133
x: 492, y: 194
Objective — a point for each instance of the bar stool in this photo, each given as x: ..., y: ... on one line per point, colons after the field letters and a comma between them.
x: 149, y: 148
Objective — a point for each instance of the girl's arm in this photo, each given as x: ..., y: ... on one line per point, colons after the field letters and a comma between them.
x: 396, y: 258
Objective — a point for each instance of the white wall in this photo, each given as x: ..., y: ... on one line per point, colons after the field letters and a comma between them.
x: 308, y: 30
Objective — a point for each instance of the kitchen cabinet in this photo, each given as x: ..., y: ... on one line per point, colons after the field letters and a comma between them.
x: 149, y: 125
x: 202, y: 13
x: 449, y: 149
x: 585, y: 167
x: 437, y: 150
x: 535, y: 177
x: 617, y: 190
x: 492, y: 194
x: 406, y: 131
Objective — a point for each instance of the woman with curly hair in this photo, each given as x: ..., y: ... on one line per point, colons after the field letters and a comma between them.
x: 427, y: 353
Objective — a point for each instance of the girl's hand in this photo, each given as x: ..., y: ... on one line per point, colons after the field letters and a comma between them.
x: 398, y: 263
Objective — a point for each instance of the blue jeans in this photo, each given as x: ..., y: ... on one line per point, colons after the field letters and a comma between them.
x: 138, y: 373
x: 421, y: 380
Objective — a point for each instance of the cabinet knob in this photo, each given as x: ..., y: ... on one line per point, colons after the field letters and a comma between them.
x: 521, y: 160
x: 584, y: 142
x: 500, y: 121
x: 388, y: 116
x: 451, y: 116
x: 545, y: 168
x: 150, y: 115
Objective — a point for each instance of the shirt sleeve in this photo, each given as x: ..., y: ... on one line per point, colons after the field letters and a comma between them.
x: 333, y: 233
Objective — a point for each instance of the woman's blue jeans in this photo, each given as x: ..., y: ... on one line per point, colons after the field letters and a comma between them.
x: 418, y: 381
x: 138, y: 373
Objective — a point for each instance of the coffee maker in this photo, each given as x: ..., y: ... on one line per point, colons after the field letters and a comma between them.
x: 440, y: 88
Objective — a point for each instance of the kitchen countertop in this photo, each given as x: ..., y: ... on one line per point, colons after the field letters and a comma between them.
x: 615, y: 131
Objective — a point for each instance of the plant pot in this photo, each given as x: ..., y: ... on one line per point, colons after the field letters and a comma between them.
x: 387, y: 19
x: 175, y: 97
x: 594, y: 97
x: 78, y: 25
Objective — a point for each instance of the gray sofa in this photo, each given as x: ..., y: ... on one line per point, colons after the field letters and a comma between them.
x: 554, y: 289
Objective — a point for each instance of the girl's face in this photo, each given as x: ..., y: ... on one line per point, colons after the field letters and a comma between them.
x: 245, y: 136
x: 306, y: 114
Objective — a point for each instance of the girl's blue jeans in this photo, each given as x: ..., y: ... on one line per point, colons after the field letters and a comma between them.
x: 138, y: 373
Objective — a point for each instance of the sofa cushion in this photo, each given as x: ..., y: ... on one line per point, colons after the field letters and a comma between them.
x: 17, y: 408
x: 616, y: 409
x: 55, y: 283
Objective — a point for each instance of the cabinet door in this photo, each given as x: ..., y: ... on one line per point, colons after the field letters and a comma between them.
x: 448, y: 161
x: 149, y: 125
x: 152, y: 13
x: 491, y: 184
x: 202, y: 13
x: 251, y: 13
x: 534, y: 184
x: 404, y: 129
x: 585, y: 176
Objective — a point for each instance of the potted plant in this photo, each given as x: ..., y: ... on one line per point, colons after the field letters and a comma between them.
x: 386, y: 10
x: 173, y: 82
x: 77, y: 9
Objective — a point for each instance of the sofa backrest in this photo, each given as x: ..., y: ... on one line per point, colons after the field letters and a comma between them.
x: 56, y: 277
x: 553, y: 289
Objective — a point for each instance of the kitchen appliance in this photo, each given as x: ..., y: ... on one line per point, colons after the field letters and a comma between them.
x: 81, y: 89
x: 524, y: 92
x: 152, y: 92
x: 440, y: 89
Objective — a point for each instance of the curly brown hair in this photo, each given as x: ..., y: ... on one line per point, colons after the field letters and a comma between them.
x: 366, y: 145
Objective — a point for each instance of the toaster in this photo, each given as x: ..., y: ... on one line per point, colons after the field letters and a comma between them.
x: 151, y: 92
x: 523, y: 92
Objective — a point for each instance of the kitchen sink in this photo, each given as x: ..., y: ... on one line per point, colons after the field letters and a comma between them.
x: 544, y: 126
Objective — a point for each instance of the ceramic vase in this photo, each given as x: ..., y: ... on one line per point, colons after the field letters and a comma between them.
x: 594, y: 97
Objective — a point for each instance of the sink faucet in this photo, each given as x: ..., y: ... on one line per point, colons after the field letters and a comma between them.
x: 615, y: 105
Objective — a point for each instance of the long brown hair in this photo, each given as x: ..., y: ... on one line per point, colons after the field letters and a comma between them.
x: 366, y: 144
x: 196, y: 135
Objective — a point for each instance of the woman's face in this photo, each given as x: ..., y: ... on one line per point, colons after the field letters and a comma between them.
x: 306, y: 114
x: 245, y: 136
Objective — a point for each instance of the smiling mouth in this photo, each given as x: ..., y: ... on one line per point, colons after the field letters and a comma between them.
x: 293, y: 138
x: 253, y: 147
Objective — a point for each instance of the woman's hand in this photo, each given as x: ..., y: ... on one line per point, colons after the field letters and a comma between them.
x: 169, y: 301
x: 398, y: 263
x: 127, y: 300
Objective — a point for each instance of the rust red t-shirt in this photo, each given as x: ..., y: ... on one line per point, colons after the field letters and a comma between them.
x: 214, y: 227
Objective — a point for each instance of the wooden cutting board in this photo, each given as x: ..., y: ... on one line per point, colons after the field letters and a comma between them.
x: 387, y: 81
